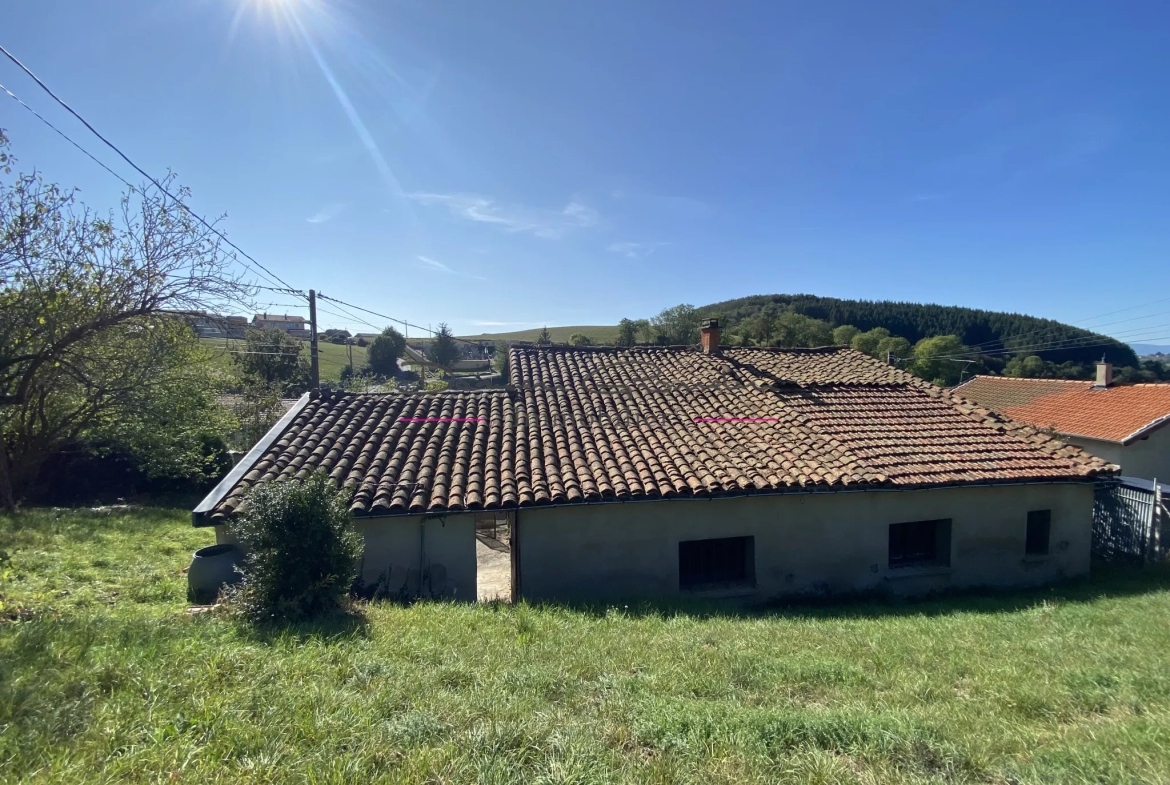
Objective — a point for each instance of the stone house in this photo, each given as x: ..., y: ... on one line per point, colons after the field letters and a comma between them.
x: 666, y: 471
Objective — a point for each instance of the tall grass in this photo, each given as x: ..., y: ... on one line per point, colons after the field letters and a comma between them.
x: 105, y: 678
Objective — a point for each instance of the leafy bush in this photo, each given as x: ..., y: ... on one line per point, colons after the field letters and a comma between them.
x: 302, y: 550
x: 382, y: 355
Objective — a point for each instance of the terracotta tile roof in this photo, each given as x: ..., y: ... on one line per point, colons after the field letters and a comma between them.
x: 1005, y: 392
x: 624, y: 421
x: 399, y: 452
x: 828, y: 365
x: 1120, y: 413
x: 597, y: 424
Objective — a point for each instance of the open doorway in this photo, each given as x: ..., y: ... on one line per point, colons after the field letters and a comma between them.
x: 493, y: 555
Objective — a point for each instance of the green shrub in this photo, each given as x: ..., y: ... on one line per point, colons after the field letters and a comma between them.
x: 302, y: 550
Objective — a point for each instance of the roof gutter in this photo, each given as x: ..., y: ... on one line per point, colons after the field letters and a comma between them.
x: 201, y: 515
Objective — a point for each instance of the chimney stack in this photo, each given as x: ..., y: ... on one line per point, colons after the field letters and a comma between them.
x: 709, y: 333
x: 1104, y: 375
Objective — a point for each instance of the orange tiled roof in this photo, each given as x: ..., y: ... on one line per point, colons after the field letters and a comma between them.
x: 1119, y: 414
x: 599, y: 424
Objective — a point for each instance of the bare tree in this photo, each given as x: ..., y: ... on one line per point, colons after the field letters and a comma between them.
x: 75, y: 283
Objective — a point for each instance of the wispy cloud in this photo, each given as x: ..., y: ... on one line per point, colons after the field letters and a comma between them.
x: 427, y: 263
x: 537, y: 221
x: 923, y: 197
x: 635, y: 250
x: 326, y: 213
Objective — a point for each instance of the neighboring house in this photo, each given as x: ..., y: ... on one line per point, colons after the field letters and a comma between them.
x: 1124, y: 424
x: 205, y: 325
x: 642, y: 472
x: 237, y: 326
x: 293, y: 325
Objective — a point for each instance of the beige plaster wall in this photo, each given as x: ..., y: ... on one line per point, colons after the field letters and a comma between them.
x: 823, y: 543
x: 418, y: 556
x: 1148, y: 458
x: 415, y: 555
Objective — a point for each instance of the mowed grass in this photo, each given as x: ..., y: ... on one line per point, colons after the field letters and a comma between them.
x: 105, y: 678
x: 331, y: 357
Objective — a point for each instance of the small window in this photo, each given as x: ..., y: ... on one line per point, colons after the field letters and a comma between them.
x: 920, y: 543
x: 716, y: 564
x: 1039, y: 526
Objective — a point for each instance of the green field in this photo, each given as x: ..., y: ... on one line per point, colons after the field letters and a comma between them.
x: 599, y: 333
x: 104, y: 678
x: 331, y: 357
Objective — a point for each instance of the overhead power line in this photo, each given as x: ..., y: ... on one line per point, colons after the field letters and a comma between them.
x: 66, y: 137
x: 344, y: 314
x: 390, y: 318
x: 1078, y: 325
x: 1074, y: 343
x: 135, y: 166
x: 1047, y: 348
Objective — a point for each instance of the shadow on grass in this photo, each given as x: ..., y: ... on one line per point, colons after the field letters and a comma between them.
x: 338, y: 627
x: 1107, y: 581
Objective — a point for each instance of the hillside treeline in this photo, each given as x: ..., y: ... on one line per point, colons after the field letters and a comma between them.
x: 991, y: 331
x: 943, y: 344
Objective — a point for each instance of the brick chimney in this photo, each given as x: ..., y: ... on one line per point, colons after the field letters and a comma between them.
x: 1104, y: 375
x: 709, y: 336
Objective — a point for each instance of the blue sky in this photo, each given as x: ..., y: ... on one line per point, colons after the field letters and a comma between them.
x: 500, y: 165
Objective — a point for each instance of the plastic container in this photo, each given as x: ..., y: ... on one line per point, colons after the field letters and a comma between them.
x: 211, y: 569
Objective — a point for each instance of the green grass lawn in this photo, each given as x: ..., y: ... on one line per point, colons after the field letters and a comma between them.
x: 331, y: 357
x: 105, y: 678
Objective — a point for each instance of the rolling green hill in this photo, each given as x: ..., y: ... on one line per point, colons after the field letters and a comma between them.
x: 599, y: 333
x: 992, y: 331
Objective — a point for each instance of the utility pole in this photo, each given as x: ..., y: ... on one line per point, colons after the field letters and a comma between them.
x: 315, y: 373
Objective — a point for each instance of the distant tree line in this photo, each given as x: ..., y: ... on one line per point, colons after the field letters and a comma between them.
x: 990, y: 330
x: 943, y: 344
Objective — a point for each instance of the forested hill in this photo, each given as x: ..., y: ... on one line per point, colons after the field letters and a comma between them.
x: 989, y: 330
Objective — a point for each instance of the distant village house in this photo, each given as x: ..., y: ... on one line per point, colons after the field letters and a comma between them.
x: 210, y: 325
x: 293, y: 325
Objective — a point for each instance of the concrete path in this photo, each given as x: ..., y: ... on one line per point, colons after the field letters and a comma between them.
x: 494, y: 570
